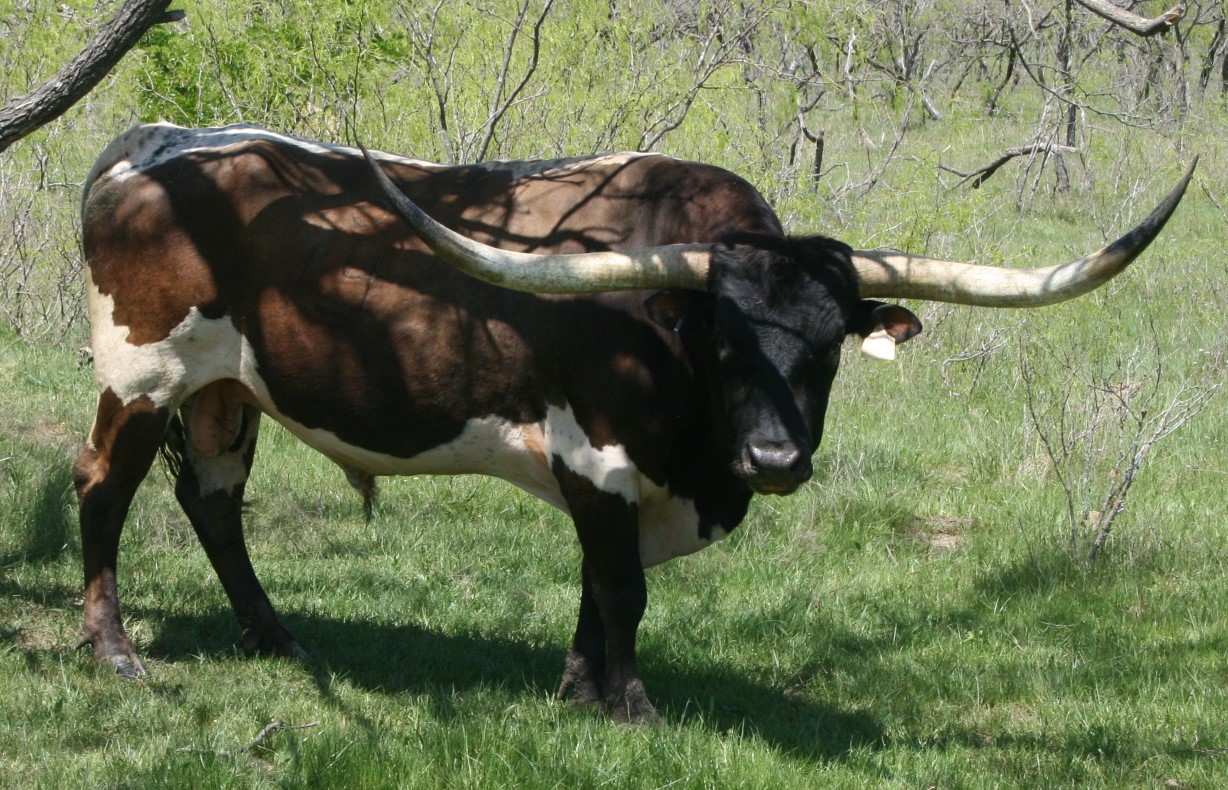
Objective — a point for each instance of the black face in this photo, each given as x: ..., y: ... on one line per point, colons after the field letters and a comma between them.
x: 779, y: 310
x: 782, y: 310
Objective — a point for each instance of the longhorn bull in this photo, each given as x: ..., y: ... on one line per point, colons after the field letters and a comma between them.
x: 642, y: 347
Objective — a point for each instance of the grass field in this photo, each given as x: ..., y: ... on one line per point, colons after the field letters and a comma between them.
x: 922, y: 614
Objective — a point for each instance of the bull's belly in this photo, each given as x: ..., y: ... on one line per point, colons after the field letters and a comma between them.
x: 519, y: 453
x: 487, y: 446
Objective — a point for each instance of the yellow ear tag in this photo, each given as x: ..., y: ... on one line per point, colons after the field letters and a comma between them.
x: 878, y: 345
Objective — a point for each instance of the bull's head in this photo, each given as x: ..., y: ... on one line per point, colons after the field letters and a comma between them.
x: 779, y: 309
x: 778, y: 312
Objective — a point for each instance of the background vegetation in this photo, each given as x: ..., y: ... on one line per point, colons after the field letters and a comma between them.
x: 923, y: 614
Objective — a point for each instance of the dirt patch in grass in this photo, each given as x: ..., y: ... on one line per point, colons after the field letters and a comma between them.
x: 943, y: 533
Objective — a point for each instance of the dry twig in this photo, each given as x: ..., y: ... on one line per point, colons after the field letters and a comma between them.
x: 981, y: 174
x: 1098, y: 431
x: 270, y: 728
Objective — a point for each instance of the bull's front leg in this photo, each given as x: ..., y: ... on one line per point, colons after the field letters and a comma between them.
x: 584, y: 670
x: 601, y: 664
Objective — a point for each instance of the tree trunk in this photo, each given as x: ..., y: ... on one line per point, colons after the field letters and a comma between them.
x: 1064, y: 58
x: 44, y: 104
x: 1208, y: 62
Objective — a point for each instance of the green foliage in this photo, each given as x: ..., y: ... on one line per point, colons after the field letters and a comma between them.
x: 44, y: 29
x: 286, y: 62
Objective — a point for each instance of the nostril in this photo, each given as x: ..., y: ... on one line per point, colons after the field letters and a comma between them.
x: 772, y: 457
x: 774, y: 467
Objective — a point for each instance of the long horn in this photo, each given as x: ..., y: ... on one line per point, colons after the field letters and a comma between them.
x: 899, y: 275
x: 670, y: 266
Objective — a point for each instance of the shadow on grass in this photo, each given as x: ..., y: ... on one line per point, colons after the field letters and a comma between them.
x: 44, y: 524
x: 53, y: 596
x: 392, y: 659
x: 389, y: 658
x: 1052, y: 569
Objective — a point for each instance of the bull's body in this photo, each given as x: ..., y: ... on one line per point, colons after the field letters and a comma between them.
x: 235, y: 272
x: 284, y: 279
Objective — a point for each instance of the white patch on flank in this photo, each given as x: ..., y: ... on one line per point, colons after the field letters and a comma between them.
x: 199, y: 350
x: 196, y: 352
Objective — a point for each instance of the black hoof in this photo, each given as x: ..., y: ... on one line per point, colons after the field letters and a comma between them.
x: 579, y: 685
x: 129, y: 667
x: 632, y: 707
x: 271, y: 642
x: 292, y: 650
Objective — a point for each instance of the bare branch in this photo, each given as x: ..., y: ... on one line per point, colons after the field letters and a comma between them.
x: 423, y: 42
x: 716, y: 50
x: 819, y: 141
x: 1034, y: 73
x: 1099, y: 428
x: 982, y: 174
x: 1132, y: 21
x: 498, y: 105
x: 23, y: 115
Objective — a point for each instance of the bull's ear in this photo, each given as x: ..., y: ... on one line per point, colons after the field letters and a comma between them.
x: 674, y: 310
x: 882, y: 327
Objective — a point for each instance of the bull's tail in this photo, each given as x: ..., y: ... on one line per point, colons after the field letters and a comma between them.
x: 174, y: 444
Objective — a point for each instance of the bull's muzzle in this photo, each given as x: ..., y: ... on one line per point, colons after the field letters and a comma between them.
x: 774, y: 467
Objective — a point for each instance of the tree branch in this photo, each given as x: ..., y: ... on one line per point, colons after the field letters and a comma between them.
x: 1132, y: 21
x: 981, y: 174
x: 819, y: 141
x: 23, y: 115
x: 499, y: 106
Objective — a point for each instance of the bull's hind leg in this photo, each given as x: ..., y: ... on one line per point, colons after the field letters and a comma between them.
x: 218, y: 443
x: 121, y: 447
